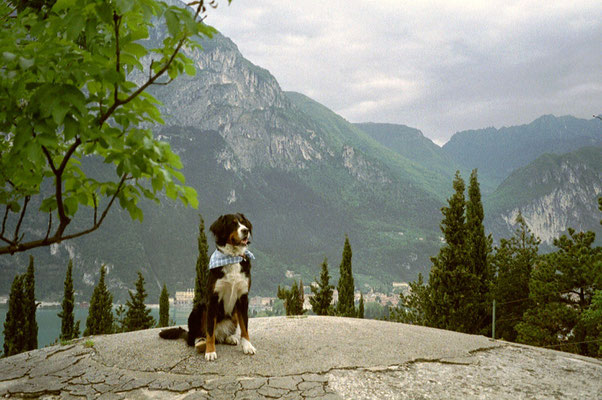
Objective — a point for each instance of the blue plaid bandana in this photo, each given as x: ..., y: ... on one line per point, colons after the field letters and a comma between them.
x: 219, y: 259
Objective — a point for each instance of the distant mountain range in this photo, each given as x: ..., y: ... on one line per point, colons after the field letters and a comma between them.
x: 306, y: 177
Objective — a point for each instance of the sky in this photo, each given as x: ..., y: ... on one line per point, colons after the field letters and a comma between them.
x: 439, y: 66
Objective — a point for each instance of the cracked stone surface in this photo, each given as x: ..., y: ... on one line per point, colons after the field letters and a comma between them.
x: 303, y: 358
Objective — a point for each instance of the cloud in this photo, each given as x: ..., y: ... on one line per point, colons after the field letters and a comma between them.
x: 441, y: 66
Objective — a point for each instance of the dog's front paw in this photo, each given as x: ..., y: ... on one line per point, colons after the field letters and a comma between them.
x: 232, y: 339
x: 211, y: 356
x: 247, y: 347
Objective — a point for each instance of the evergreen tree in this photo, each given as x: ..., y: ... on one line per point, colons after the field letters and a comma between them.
x: 452, y: 284
x: 164, y: 308
x: 119, y: 320
x: 69, y: 328
x: 138, y: 316
x: 15, y: 336
x: 592, y: 317
x: 562, y: 286
x: 320, y: 301
x: 413, y: 307
x: 301, y: 293
x: 291, y: 299
x: 346, y: 287
x: 513, y: 262
x: 201, y: 285
x: 360, y: 309
x: 100, y: 312
x: 29, y: 307
x: 479, y: 249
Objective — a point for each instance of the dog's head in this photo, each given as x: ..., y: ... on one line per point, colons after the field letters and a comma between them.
x: 232, y: 233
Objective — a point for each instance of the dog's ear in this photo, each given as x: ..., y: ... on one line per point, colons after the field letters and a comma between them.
x: 218, y: 229
x: 246, y: 222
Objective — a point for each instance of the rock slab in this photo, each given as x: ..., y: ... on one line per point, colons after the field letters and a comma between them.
x: 303, y: 358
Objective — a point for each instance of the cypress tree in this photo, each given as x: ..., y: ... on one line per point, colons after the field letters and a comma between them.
x: 452, y: 285
x: 360, y: 309
x: 69, y: 328
x: 513, y: 262
x: 164, y: 307
x: 138, y: 316
x: 292, y: 299
x: 320, y: 301
x: 301, y: 299
x: 346, y: 287
x: 478, y: 248
x: 202, y: 267
x: 100, y: 313
x: 29, y: 307
x: 14, y: 330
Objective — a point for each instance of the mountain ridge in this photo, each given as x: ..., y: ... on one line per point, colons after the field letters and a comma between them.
x: 304, y: 175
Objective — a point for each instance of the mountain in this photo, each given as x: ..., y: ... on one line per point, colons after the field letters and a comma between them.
x: 303, y: 175
x: 553, y: 193
x: 412, y: 144
x: 498, y: 152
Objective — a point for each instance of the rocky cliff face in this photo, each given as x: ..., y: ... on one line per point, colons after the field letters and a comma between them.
x: 245, y: 105
x: 558, y: 192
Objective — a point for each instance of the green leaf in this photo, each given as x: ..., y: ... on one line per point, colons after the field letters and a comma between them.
x: 190, y: 69
x: 124, y: 6
x: 60, y: 5
x: 71, y: 205
x: 47, y: 140
x: 49, y: 204
x: 71, y: 127
x: 191, y: 196
x: 173, y: 24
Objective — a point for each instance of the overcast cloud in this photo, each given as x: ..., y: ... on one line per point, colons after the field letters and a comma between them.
x: 439, y: 66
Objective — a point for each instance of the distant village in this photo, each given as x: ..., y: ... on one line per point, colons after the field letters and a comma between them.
x: 259, y: 305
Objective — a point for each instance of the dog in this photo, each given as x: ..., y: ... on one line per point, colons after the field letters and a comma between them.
x: 216, y: 319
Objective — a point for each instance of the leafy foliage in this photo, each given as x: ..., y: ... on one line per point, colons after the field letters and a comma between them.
x: 346, y: 287
x: 69, y: 328
x: 66, y: 96
x: 164, y: 308
x: 100, y: 313
x: 322, y: 293
x: 137, y: 315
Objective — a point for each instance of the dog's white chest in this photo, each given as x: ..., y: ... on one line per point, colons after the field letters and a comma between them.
x: 231, y: 286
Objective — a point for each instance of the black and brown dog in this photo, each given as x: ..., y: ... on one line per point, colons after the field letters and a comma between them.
x: 215, y: 320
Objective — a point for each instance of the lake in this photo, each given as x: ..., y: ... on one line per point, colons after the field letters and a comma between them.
x: 49, y: 324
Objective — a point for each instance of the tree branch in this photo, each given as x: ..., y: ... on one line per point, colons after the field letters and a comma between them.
x: 58, y: 237
x: 23, y: 210
x: 49, y: 225
x: 116, y: 22
x: 116, y: 102
x: 4, y: 220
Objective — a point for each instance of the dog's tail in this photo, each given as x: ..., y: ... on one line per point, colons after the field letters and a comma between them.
x: 174, y: 333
